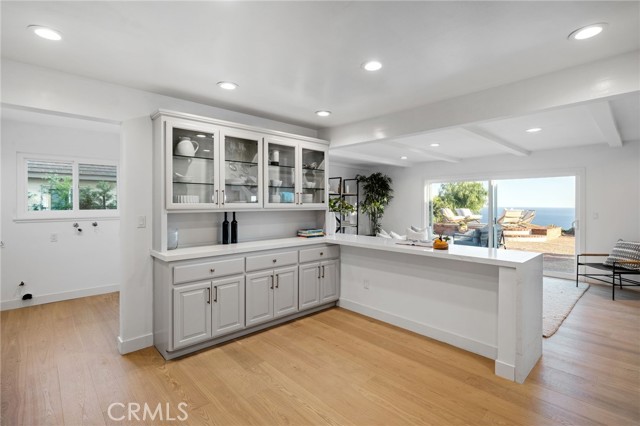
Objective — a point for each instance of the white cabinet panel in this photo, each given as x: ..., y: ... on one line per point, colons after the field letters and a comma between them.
x: 329, y: 289
x: 285, y: 291
x: 309, y: 289
x: 192, y: 314
x: 228, y: 305
x: 259, y: 297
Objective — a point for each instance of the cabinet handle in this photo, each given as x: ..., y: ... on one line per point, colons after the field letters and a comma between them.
x: 217, y: 199
x: 223, y: 197
x: 212, y: 270
x: 322, y: 271
x: 275, y: 260
x: 272, y: 282
x: 215, y: 297
x: 318, y: 272
x: 277, y: 280
x: 209, y: 298
x: 321, y: 253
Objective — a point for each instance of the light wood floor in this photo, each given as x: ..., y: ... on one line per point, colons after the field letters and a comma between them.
x: 60, y: 366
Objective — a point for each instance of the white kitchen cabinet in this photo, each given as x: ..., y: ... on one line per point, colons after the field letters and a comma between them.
x: 329, y: 287
x: 227, y: 305
x: 309, y: 287
x: 192, y: 165
x: 295, y: 174
x: 271, y: 294
x: 191, y: 314
x: 241, y: 169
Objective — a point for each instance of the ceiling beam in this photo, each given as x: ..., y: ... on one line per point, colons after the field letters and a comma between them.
x: 368, y: 159
x: 603, y: 116
x: 422, y: 151
x: 502, y: 143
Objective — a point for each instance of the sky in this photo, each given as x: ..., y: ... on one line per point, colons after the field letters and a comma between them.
x: 558, y: 192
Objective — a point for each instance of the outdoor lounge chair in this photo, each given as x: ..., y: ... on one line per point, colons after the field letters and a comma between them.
x: 469, y: 215
x: 450, y: 217
x: 623, y: 263
x: 527, y: 217
x: 510, y: 218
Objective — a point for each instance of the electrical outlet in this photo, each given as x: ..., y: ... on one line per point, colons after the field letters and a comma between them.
x: 142, y: 221
x: 53, y: 238
x: 366, y: 284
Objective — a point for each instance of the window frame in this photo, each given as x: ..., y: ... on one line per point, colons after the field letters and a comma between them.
x: 22, y: 198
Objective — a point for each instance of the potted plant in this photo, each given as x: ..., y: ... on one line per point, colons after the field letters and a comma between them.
x: 377, y: 193
x: 340, y: 206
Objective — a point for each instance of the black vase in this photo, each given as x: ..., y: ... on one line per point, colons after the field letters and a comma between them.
x: 225, y: 230
x: 234, y: 229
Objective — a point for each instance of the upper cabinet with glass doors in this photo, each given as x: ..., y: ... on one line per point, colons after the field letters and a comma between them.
x: 192, y: 175
x: 212, y: 165
x: 294, y: 174
x: 241, y: 169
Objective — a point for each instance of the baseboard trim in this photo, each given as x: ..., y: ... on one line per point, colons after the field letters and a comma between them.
x: 58, y: 297
x: 505, y: 371
x: 135, y: 344
x: 453, y: 339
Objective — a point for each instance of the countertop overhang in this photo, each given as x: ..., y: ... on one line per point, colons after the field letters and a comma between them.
x: 488, y: 256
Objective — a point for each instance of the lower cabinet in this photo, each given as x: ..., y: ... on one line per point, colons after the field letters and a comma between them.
x: 318, y: 283
x: 207, y: 309
x: 203, y: 300
x: 271, y: 294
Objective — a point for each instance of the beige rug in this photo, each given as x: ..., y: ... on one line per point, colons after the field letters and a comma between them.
x: 558, y: 298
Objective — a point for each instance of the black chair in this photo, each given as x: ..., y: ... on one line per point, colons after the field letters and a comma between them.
x: 608, y: 274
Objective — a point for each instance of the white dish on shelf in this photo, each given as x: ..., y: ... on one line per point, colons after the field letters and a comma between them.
x: 275, y: 182
x: 310, y: 185
x: 235, y: 181
x: 182, y: 178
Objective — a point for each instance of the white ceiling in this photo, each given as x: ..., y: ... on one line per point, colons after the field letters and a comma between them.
x: 293, y: 58
x: 567, y: 127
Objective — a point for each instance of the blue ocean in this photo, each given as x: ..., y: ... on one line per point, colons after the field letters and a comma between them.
x: 562, y: 217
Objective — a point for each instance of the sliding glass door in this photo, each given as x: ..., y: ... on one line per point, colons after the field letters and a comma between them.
x: 539, y: 215
x: 529, y: 214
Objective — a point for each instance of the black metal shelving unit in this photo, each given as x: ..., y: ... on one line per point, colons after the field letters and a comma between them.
x: 352, y: 197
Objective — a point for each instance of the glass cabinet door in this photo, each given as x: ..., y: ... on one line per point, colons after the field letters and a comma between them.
x: 241, y: 170
x: 191, y: 166
x: 313, y: 189
x: 281, y: 173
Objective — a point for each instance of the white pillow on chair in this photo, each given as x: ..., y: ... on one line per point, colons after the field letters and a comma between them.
x: 418, y: 234
x: 397, y: 237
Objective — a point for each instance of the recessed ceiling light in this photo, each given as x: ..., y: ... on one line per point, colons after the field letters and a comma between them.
x: 323, y: 113
x: 227, y: 85
x: 588, y: 31
x: 404, y: 157
x: 201, y: 135
x: 533, y: 130
x: 372, y: 66
x: 435, y: 145
x: 45, y: 32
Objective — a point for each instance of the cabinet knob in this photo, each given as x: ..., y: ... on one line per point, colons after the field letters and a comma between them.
x: 212, y: 270
x: 275, y: 260
x: 321, y: 253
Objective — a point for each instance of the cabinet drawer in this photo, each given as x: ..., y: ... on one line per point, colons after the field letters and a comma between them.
x: 266, y: 261
x: 207, y: 270
x: 320, y: 253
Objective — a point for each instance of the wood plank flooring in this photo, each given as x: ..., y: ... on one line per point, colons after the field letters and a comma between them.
x: 60, y: 366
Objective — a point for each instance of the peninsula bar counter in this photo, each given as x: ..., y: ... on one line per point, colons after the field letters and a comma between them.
x: 486, y: 301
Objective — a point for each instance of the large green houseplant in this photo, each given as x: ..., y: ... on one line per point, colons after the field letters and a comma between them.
x: 377, y: 195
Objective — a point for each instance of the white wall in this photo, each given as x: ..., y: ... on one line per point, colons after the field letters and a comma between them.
x: 611, y: 187
x: 78, y: 264
x: 35, y: 87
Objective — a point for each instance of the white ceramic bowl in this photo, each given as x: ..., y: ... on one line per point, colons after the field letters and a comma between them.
x: 310, y: 184
x: 274, y: 182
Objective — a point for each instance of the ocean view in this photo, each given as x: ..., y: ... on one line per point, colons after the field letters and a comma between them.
x: 562, y: 217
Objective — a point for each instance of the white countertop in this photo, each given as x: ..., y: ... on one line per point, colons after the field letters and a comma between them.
x: 490, y: 256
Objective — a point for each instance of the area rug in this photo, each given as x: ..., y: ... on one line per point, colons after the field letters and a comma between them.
x: 558, y: 299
